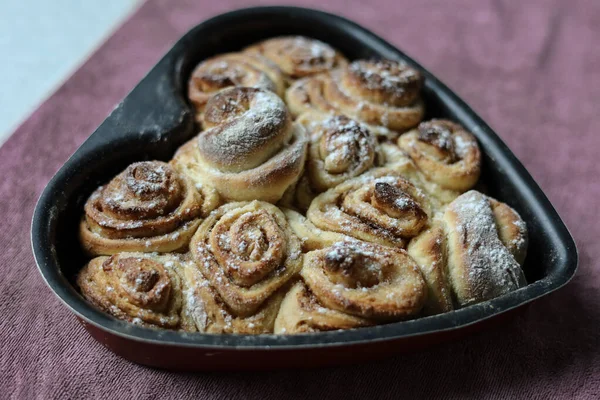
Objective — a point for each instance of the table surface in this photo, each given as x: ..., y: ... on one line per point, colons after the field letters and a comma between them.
x: 531, y: 69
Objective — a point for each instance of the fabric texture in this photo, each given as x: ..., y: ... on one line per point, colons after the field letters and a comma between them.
x: 531, y: 69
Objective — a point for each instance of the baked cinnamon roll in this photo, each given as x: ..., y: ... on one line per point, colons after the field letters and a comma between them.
x: 149, y: 207
x: 385, y: 95
x: 301, y: 312
x: 250, y: 149
x: 381, y: 93
x: 486, y: 241
x: 298, y: 56
x: 366, y: 280
x: 247, y: 251
x: 144, y: 289
x: 379, y: 207
x: 339, y: 149
x: 205, y: 311
x: 445, y: 152
x: 306, y: 95
x: 229, y: 70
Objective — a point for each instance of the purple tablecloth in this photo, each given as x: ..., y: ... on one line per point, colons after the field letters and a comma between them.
x: 532, y: 70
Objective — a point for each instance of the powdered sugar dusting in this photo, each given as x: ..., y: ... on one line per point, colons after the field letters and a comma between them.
x: 259, y: 119
x: 492, y: 269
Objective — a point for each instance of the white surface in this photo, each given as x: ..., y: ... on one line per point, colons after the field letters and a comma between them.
x: 42, y: 42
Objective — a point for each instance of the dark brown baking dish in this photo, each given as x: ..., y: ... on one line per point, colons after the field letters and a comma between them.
x: 154, y: 119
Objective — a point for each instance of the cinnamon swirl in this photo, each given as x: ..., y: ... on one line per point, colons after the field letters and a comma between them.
x: 144, y: 289
x: 247, y: 251
x: 379, y: 207
x: 298, y: 56
x: 149, y: 207
x: 205, y: 311
x: 250, y: 149
x: 381, y: 93
x: 445, y: 152
x: 301, y: 312
x: 339, y: 149
x: 229, y: 70
x: 366, y: 280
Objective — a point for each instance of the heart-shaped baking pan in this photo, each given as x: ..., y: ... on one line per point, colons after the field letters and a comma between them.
x: 155, y: 118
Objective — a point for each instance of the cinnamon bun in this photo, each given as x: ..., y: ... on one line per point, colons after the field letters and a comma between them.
x: 385, y: 95
x: 149, y: 207
x: 366, y: 280
x: 445, y: 152
x: 250, y: 149
x: 339, y: 149
x: 247, y: 251
x: 379, y: 207
x: 205, y: 311
x: 301, y: 312
x: 144, y: 289
x: 484, y: 240
x: 298, y: 56
x: 229, y: 70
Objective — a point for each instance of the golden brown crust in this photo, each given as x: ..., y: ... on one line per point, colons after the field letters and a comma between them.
x: 312, y: 237
x: 250, y: 150
x: 136, y: 287
x: 229, y: 70
x: 379, y: 207
x: 339, y: 149
x: 301, y: 312
x: 365, y: 280
x: 298, y: 56
x: 399, y: 161
x: 205, y: 311
x: 445, y: 152
x: 512, y: 230
x: 480, y: 267
x: 428, y: 250
x: 306, y: 95
x: 247, y: 251
x: 148, y: 207
x: 380, y: 93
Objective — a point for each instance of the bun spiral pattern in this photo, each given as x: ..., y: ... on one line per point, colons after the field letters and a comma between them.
x: 301, y: 312
x: 205, y: 311
x: 135, y: 287
x: 378, y: 207
x: 148, y: 207
x: 445, y: 152
x: 250, y: 149
x: 298, y: 56
x: 365, y: 280
x: 339, y: 149
x: 229, y: 70
x: 247, y: 251
x: 382, y: 94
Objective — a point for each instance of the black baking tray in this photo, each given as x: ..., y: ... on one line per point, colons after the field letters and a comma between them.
x: 155, y: 118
